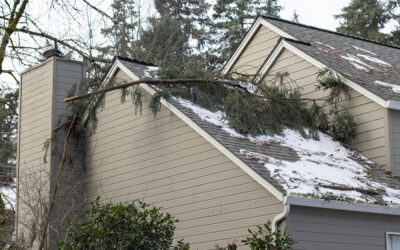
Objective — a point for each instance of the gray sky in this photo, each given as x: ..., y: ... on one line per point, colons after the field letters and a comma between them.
x: 317, y: 13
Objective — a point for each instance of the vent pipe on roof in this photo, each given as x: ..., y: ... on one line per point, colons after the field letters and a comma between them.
x: 193, y: 96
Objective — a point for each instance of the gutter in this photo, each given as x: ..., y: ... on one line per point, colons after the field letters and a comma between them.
x: 394, y: 105
x: 342, y: 205
x: 281, y: 216
x: 331, y: 204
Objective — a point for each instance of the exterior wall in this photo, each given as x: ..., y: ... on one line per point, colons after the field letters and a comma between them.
x: 371, y: 119
x: 34, y: 129
x: 256, y: 51
x: 394, y: 137
x: 42, y: 91
x: 316, y: 228
x: 164, y: 162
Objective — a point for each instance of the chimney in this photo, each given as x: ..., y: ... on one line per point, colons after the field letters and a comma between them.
x: 52, y: 52
x: 41, y: 107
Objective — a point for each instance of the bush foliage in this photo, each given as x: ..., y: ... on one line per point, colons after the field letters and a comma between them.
x: 131, y: 225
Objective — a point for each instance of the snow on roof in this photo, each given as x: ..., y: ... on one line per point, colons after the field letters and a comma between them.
x: 150, y: 71
x: 356, y: 62
x: 364, y: 50
x: 325, y: 167
x: 394, y: 88
x: 375, y: 60
x: 324, y: 45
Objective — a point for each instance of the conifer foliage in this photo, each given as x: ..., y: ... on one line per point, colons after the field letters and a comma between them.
x: 232, y: 19
x: 364, y: 18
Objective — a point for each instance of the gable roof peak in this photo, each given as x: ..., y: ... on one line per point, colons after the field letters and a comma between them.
x: 328, y: 31
x: 134, y: 60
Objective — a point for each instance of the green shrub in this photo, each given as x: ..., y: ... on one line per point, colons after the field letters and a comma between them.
x: 265, y: 239
x: 131, y: 225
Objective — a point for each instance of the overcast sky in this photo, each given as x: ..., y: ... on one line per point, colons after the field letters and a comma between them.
x: 319, y: 13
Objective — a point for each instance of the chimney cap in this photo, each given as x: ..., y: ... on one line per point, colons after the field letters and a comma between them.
x: 52, y: 52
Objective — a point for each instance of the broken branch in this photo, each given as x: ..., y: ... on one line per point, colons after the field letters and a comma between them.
x: 166, y: 81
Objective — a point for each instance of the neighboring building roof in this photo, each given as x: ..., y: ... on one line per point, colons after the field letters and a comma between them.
x: 372, y: 65
x: 256, y: 153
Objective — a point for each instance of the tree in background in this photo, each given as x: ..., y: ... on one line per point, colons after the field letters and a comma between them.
x: 8, y: 128
x: 232, y: 19
x: 192, y: 14
x: 123, y: 30
x: 364, y: 18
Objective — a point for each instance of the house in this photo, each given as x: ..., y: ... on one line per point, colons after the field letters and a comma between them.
x: 217, y: 182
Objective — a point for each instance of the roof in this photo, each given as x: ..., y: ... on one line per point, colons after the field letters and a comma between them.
x: 139, y: 68
x: 262, y: 154
x: 372, y: 65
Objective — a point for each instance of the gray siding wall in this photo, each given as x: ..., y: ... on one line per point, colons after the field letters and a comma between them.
x: 328, y: 229
x: 164, y: 162
x: 394, y: 135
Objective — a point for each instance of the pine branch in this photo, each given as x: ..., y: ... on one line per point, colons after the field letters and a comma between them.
x: 169, y: 81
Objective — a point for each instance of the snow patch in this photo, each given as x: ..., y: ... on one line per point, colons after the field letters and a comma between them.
x: 325, y: 167
x: 150, y: 71
x: 394, y: 88
x: 375, y: 60
x: 356, y: 62
x: 364, y: 50
x: 324, y: 44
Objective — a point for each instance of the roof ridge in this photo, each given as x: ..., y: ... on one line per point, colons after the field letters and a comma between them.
x: 330, y: 31
x: 135, y: 61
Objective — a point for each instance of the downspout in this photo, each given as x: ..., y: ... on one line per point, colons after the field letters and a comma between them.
x: 281, y: 216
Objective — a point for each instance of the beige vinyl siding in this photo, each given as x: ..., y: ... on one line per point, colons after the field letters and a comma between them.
x: 370, y: 117
x: 256, y: 51
x: 166, y: 163
x: 35, y: 126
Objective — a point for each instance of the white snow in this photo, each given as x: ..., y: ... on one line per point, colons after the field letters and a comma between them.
x: 356, y: 62
x: 395, y: 88
x: 323, y: 164
x: 8, y: 195
x: 364, y: 50
x: 375, y: 60
x: 324, y: 44
x: 150, y: 71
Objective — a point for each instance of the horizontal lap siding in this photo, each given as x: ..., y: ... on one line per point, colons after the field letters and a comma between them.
x: 370, y: 117
x: 314, y: 228
x: 256, y: 51
x: 165, y: 162
x: 35, y: 127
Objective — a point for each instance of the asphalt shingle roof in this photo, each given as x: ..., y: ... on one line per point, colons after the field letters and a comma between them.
x: 137, y: 67
x: 275, y: 150
x: 332, y: 49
